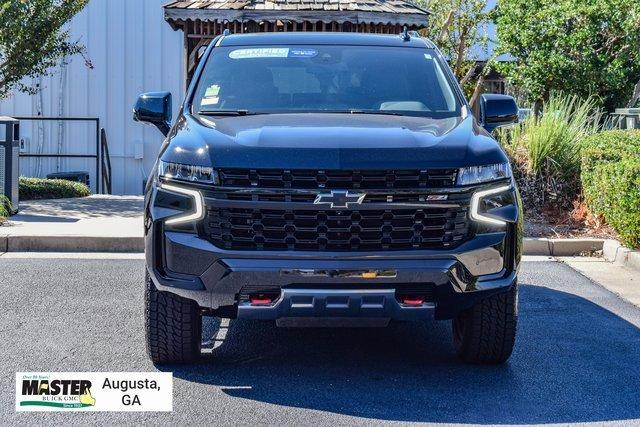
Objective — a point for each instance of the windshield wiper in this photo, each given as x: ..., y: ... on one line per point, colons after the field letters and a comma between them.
x: 227, y: 113
x: 385, y: 112
x: 354, y: 111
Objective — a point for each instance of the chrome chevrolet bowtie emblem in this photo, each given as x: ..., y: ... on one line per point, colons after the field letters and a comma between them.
x: 340, y: 199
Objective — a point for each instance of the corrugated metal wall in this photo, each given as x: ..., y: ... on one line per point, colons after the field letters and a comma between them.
x: 133, y: 50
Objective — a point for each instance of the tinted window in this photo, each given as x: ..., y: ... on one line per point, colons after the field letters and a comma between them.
x: 325, y: 78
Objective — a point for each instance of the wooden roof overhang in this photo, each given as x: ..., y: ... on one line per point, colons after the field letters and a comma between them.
x: 202, y: 20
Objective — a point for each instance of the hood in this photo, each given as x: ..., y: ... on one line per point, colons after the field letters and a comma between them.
x: 331, y: 141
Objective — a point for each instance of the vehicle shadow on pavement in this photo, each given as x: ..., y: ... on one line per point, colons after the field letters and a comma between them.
x: 574, y: 361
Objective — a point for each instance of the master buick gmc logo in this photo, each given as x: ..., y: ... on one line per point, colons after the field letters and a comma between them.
x: 340, y: 199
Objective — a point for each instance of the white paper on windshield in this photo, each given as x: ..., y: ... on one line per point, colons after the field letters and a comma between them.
x: 210, y: 101
x: 260, y: 52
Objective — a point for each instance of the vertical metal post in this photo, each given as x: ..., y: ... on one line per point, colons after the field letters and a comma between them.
x: 98, y: 177
x: 9, y: 160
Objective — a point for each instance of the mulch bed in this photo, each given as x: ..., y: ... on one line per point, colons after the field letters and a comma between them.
x: 573, y: 224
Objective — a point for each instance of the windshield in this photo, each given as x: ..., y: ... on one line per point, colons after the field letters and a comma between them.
x: 381, y: 80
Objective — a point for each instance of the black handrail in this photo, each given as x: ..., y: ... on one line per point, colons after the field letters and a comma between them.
x: 72, y: 156
x: 106, y: 163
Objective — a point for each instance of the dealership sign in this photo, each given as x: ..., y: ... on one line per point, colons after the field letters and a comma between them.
x: 94, y: 391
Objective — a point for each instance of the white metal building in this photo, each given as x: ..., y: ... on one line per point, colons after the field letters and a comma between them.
x: 132, y: 50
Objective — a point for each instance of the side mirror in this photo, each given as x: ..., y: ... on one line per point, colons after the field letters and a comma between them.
x: 497, y: 110
x: 154, y: 108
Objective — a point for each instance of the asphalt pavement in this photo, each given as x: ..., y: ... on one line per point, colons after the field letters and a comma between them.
x: 577, y: 357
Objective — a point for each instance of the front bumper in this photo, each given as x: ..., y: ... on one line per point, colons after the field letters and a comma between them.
x: 332, y: 284
x: 296, y: 303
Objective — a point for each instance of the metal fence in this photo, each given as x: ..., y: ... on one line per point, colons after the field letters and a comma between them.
x: 101, y: 155
x: 624, y: 118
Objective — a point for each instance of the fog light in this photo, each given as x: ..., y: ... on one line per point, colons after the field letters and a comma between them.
x: 413, y: 300
x: 262, y: 299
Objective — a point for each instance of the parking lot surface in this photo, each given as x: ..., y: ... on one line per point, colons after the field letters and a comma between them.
x: 577, y: 357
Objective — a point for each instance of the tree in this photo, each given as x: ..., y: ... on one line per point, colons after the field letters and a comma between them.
x: 579, y: 47
x: 456, y: 26
x: 32, y: 39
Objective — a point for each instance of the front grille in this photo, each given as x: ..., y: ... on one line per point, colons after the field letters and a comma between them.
x: 338, y: 179
x: 335, y: 230
x: 259, y: 209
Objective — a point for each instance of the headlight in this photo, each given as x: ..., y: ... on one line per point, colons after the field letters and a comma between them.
x: 482, y: 174
x: 200, y: 174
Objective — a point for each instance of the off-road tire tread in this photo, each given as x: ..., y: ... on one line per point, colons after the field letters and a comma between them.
x: 490, y: 329
x: 173, y: 326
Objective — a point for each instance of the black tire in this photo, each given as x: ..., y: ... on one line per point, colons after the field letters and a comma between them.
x: 173, y: 326
x: 486, y: 333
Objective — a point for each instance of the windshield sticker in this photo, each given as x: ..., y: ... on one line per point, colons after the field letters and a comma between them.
x: 210, y: 101
x: 260, y: 52
x: 302, y: 53
x: 212, y: 91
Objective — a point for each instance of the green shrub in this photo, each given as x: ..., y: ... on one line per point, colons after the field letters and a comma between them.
x: 551, y: 141
x: 545, y: 151
x: 39, y: 188
x: 5, y: 208
x: 611, y: 181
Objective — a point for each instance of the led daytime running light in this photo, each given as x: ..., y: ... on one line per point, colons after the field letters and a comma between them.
x: 198, y: 204
x: 475, y: 205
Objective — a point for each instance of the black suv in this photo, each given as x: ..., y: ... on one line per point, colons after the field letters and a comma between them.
x: 330, y: 179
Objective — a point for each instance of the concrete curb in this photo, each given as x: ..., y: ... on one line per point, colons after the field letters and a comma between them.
x: 614, y: 252
x: 561, y: 247
x: 532, y: 246
x: 71, y: 244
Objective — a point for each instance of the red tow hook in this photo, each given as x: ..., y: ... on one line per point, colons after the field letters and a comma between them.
x: 260, y: 299
x: 412, y: 300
